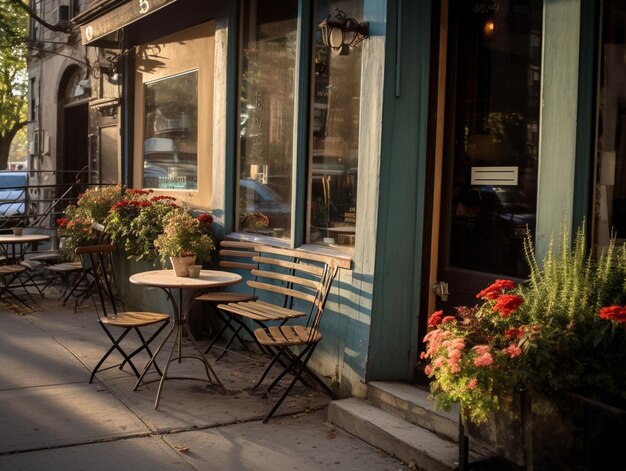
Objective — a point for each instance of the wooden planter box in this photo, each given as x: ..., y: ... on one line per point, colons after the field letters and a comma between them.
x: 571, y: 433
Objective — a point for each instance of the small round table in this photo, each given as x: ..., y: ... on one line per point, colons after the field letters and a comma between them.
x: 24, y: 241
x: 166, y: 280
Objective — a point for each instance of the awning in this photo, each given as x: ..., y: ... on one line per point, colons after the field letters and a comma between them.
x: 99, y: 23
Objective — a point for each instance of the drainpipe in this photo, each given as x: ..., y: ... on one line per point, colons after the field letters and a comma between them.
x: 128, y: 99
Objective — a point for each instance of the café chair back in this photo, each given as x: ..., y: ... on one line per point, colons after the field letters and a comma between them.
x: 234, y: 255
x: 97, y: 266
x: 290, y: 284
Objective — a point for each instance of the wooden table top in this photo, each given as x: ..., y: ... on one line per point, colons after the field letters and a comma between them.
x: 167, y: 279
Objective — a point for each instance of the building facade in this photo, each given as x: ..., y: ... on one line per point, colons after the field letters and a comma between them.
x: 414, y: 141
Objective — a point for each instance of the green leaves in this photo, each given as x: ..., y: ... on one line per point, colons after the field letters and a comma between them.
x: 13, y: 75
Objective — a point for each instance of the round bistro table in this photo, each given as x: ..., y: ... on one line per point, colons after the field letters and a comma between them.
x: 176, y: 285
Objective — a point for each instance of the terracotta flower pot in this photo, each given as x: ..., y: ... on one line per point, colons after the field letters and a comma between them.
x: 180, y: 264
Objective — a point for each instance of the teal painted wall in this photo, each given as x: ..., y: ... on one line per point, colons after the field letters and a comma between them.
x: 393, y: 336
x: 559, y: 113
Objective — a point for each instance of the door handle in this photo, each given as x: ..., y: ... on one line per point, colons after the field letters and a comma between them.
x: 441, y: 289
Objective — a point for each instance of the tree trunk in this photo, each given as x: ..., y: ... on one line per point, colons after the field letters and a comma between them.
x: 5, y: 144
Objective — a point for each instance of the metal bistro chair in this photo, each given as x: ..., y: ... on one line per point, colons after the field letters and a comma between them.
x: 233, y: 255
x: 9, y: 274
x: 97, y: 265
x: 292, y: 275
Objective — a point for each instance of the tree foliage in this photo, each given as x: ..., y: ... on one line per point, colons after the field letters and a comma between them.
x: 13, y: 75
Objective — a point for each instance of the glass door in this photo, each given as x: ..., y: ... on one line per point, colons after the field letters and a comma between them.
x: 490, y: 153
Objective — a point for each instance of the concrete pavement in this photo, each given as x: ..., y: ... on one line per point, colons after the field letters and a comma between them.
x: 51, y: 418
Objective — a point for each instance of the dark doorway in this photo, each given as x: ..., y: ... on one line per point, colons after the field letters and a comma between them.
x: 74, y: 159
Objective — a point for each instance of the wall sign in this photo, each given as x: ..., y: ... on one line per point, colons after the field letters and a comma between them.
x: 497, y: 176
x: 120, y: 17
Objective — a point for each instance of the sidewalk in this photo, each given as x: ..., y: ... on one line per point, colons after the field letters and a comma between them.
x: 51, y: 418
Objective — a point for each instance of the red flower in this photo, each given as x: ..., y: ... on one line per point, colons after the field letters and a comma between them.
x: 495, y: 289
x: 435, y: 319
x: 62, y: 222
x: 614, y: 313
x: 154, y: 199
x: 515, y: 332
x: 448, y: 320
x: 506, y: 304
x: 205, y: 218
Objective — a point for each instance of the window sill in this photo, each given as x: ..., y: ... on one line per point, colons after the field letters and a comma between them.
x: 343, y: 256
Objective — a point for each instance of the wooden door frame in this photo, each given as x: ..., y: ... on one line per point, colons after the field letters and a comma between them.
x: 434, y: 171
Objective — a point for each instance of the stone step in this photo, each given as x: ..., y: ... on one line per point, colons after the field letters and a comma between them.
x: 398, y: 437
x: 412, y: 404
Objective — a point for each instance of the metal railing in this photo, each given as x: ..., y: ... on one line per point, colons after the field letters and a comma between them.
x: 40, y: 198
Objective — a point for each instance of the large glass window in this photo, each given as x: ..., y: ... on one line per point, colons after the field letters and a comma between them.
x: 171, y: 133
x: 266, y: 117
x: 173, y: 125
x: 333, y: 163
x: 611, y: 142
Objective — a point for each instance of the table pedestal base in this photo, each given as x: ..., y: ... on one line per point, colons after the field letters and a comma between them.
x: 179, y: 328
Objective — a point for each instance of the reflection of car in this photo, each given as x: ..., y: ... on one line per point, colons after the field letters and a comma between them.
x: 256, y: 197
x: 506, y: 206
x: 13, y: 196
x: 488, y: 228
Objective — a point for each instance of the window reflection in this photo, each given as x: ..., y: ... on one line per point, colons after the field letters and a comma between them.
x: 266, y: 111
x: 335, y: 136
x: 611, y: 156
x: 171, y: 133
x: 494, y: 177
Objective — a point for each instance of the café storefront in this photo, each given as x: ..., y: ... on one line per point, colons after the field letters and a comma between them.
x: 416, y: 143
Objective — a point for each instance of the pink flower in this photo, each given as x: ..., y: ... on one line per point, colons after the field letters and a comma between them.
x: 507, y: 304
x: 448, y: 320
x: 495, y: 289
x: 483, y: 360
x: 481, y: 349
x: 512, y: 350
x: 472, y: 383
x: 435, y: 319
x: 428, y: 370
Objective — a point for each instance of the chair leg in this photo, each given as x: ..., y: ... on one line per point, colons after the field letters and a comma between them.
x: 153, y: 358
x: 227, y: 320
x: 275, y: 358
x: 145, y: 345
x: 309, y: 351
x: 117, y: 347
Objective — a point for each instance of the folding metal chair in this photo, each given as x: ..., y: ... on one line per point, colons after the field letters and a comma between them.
x: 288, y: 275
x: 97, y: 266
x: 233, y: 255
x: 8, y: 275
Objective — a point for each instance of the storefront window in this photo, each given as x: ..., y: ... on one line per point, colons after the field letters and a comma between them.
x: 333, y: 163
x: 611, y: 142
x: 171, y: 132
x: 173, y: 121
x: 266, y: 117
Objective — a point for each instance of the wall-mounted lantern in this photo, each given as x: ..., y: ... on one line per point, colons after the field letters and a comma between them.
x: 340, y: 33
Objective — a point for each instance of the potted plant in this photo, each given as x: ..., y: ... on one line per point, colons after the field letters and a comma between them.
x: 135, y: 222
x: 560, y: 333
x: 185, y: 239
